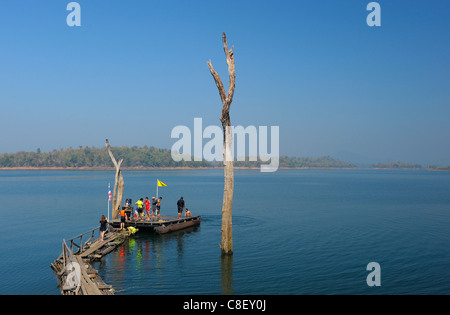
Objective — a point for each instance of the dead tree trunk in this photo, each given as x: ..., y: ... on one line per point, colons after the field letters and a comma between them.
x: 227, y: 236
x: 118, y: 184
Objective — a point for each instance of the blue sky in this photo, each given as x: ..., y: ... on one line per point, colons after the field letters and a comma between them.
x: 136, y: 69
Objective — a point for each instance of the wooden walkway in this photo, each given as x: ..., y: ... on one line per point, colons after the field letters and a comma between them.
x: 76, y: 276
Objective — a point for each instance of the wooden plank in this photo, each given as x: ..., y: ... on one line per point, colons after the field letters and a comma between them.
x: 98, y: 245
x: 87, y: 285
x: 94, y: 247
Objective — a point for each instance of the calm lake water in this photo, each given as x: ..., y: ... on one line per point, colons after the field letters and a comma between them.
x: 295, y: 231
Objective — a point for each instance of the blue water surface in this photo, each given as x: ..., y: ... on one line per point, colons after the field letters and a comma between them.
x: 295, y: 231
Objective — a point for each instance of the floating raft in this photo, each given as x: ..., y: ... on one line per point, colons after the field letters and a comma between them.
x: 160, y: 225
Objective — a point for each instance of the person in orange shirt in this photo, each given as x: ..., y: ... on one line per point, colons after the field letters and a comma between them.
x: 123, y: 218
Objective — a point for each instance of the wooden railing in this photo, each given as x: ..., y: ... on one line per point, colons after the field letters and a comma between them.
x: 79, y: 239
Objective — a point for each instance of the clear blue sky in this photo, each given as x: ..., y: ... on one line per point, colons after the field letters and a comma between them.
x: 135, y: 69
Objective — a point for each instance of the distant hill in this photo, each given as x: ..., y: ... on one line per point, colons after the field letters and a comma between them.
x: 140, y: 157
x: 397, y: 165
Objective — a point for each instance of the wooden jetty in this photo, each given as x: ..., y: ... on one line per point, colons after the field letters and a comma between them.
x: 76, y: 275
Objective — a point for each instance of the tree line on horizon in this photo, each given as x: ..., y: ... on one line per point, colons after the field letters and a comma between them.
x: 399, y: 165
x: 142, y: 157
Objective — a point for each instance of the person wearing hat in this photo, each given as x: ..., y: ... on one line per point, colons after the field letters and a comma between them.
x: 154, y: 202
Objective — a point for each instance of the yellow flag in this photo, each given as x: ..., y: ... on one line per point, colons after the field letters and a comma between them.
x: 161, y: 184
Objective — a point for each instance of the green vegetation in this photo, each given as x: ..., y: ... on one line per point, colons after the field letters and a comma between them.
x: 441, y: 168
x: 299, y: 162
x: 397, y: 165
x: 95, y: 158
x: 140, y: 157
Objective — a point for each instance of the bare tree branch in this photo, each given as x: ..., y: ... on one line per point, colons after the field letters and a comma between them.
x: 226, y: 98
x: 231, y: 73
x: 110, y: 153
x: 219, y: 84
x: 118, y: 184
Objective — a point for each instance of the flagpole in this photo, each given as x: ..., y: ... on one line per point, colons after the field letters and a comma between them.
x: 109, y: 189
x: 108, y: 209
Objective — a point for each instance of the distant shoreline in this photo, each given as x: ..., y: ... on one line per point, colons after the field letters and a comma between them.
x: 28, y: 168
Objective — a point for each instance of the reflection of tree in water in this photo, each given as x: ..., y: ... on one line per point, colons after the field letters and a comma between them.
x: 159, y: 243
x: 226, y: 264
x: 180, y: 245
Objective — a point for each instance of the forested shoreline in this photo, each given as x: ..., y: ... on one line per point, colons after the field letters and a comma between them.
x: 150, y: 157
x: 142, y: 157
x: 397, y: 165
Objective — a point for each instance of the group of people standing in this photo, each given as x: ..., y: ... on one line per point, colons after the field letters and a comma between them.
x: 128, y: 212
x: 154, y: 206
